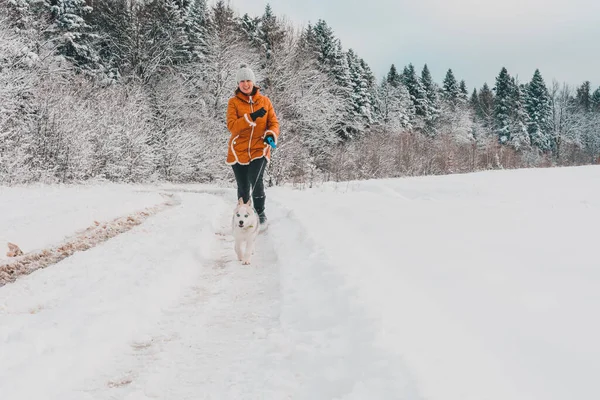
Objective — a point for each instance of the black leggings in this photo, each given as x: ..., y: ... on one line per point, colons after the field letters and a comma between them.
x: 246, y: 176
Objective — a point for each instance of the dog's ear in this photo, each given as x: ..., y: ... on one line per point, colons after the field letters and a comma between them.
x: 240, y: 201
x: 249, y: 203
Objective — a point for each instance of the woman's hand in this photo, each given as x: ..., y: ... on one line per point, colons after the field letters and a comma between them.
x: 258, y: 113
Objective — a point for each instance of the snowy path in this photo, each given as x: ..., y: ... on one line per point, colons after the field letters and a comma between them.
x: 165, y: 312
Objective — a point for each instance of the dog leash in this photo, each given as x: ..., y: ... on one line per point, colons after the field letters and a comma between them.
x: 271, y: 143
x: 258, y: 177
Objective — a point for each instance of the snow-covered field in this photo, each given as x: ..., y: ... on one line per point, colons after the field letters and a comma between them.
x: 481, y: 286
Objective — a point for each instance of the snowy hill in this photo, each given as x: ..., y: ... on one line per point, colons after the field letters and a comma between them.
x: 477, y: 286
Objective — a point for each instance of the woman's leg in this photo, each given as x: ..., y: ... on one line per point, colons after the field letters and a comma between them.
x: 255, y: 176
x: 242, y: 180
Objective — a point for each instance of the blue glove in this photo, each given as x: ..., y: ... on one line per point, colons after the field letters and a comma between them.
x: 270, y: 141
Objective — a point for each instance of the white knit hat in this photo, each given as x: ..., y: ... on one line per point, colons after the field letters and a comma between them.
x: 245, y: 74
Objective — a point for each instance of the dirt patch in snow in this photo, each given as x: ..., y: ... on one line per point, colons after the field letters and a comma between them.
x: 90, y: 237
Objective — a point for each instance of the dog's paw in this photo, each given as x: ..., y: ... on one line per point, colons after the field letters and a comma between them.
x: 245, y: 262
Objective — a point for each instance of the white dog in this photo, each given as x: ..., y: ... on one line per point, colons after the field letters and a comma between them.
x: 245, y: 228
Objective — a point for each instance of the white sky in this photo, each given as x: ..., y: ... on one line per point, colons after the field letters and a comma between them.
x: 475, y: 38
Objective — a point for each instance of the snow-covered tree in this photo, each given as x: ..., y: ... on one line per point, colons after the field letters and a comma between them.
x: 503, y: 106
x: 309, y: 110
x: 17, y: 81
x: 73, y: 35
x: 432, y: 102
x: 416, y: 90
x: 538, y: 107
x: 393, y: 77
x: 455, y: 119
x: 485, y: 110
x: 271, y: 32
x: 169, y: 42
x: 474, y: 101
x: 362, y: 91
x: 396, y: 108
x: 249, y: 26
x: 584, y: 98
x: 196, y: 22
x: 595, y: 101
x: 463, y: 96
x: 395, y: 105
x: 519, y: 138
x: 567, y: 120
x: 590, y: 136
x: 450, y: 88
x: 335, y: 62
x: 326, y: 45
x: 226, y: 50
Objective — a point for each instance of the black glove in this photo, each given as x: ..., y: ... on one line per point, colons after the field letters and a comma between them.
x: 258, y: 113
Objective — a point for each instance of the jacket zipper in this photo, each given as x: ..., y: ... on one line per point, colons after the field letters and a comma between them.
x: 251, y: 132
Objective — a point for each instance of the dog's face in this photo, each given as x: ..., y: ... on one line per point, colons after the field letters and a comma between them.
x: 244, y: 215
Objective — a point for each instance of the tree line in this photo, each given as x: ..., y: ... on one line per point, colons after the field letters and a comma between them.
x: 132, y: 91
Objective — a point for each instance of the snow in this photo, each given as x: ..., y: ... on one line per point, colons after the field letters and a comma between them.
x: 476, y: 286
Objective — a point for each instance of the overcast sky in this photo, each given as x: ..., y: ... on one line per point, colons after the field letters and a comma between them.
x: 475, y: 38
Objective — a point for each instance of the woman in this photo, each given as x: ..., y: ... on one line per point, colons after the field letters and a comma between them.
x: 251, y: 121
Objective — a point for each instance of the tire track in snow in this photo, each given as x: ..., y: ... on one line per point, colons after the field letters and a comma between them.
x: 82, y: 241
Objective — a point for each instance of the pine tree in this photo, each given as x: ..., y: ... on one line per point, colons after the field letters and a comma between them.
x: 159, y: 40
x: 307, y: 43
x: 271, y: 33
x: 341, y: 72
x: 250, y: 26
x: 595, y: 101
x: 583, y: 98
x: 120, y: 44
x: 197, y: 23
x: 371, y: 84
x: 393, y: 78
x: 519, y: 138
x: 454, y: 115
x: 474, y: 101
x: 431, y: 91
x: 334, y: 62
x: 326, y: 45
x: 417, y: 93
x: 539, y: 112
x: 397, y: 109
x: 431, y: 101
x: 361, y: 106
x: 463, y: 96
x: 450, y: 89
x: 485, y: 112
x: 73, y: 34
x: 503, y: 106
x: 332, y: 59
x: 226, y: 51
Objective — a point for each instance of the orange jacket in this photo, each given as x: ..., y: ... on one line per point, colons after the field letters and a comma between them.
x: 247, y: 137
